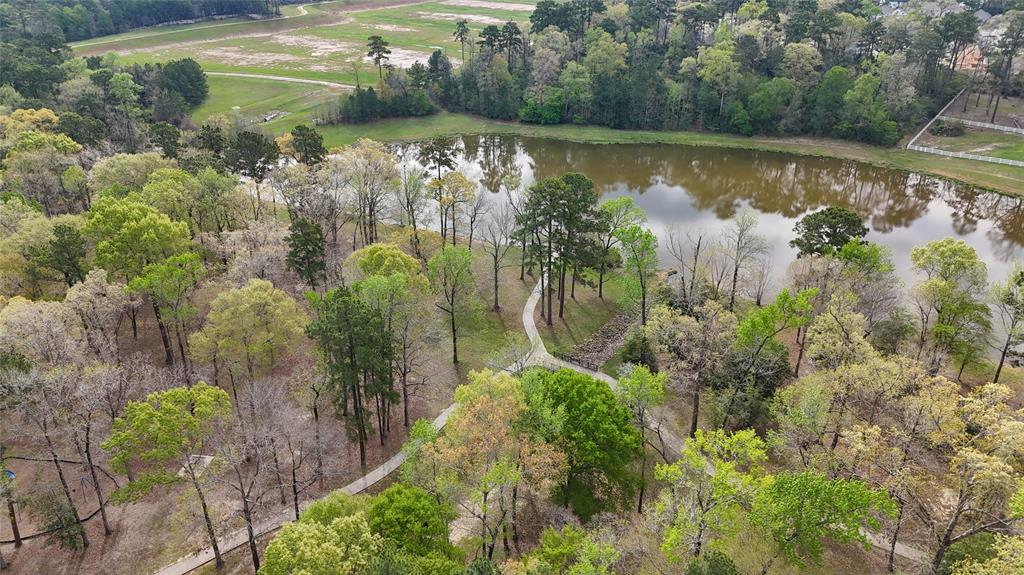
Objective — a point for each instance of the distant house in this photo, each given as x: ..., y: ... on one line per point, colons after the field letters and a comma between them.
x: 940, y: 9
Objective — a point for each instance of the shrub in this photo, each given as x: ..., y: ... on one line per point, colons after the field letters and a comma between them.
x: 949, y: 129
x: 639, y: 349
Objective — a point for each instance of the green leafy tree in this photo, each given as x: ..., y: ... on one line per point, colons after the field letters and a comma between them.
x: 411, y: 519
x: 1008, y: 300
x: 800, y: 511
x: 698, y: 344
x: 827, y: 231
x: 169, y: 285
x: 377, y: 50
x: 308, y: 144
x: 186, y: 78
x: 641, y: 391
x: 174, y: 192
x: 451, y: 277
x: 356, y: 350
x: 335, y: 505
x: 715, y: 478
x: 640, y: 246
x: 130, y: 235
x: 600, y: 443
x: 439, y: 154
x: 162, y: 434
x: 950, y: 304
x: 306, y: 251
x: 461, y: 35
x: 65, y: 253
x: 346, y: 546
x: 252, y: 155
x: 248, y: 330
x: 168, y: 137
x: 616, y: 214
x: 57, y: 519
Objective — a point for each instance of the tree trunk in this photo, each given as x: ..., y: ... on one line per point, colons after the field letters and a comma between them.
x: 643, y: 477
x: 164, y: 337
x: 1002, y: 359
x: 561, y: 290
x: 549, y: 319
x: 67, y: 490
x: 295, y: 490
x: 96, y: 484
x: 695, y: 407
x: 455, y: 339
x: 253, y: 551
x: 13, y: 516
x: 735, y: 280
x: 277, y: 473
x: 496, y: 306
x: 995, y: 110
x: 895, y: 537
x: 206, y: 515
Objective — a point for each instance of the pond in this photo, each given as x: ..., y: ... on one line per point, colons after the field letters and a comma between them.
x: 693, y: 188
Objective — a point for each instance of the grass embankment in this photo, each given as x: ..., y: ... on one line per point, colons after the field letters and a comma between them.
x: 584, y: 314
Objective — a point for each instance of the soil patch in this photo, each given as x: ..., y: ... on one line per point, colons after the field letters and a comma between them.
x: 490, y: 5
x: 402, y: 58
x: 242, y: 57
x: 475, y: 18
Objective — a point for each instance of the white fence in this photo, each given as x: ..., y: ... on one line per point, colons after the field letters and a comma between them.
x: 975, y: 124
x: 966, y: 156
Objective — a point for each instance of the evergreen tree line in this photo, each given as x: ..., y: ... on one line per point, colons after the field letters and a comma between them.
x: 82, y: 19
x: 760, y: 67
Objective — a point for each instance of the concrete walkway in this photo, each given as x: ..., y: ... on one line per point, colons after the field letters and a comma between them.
x: 539, y: 356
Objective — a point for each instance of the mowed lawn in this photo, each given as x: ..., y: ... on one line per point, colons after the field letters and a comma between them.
x: 253, y: 97
x: 981, y: 142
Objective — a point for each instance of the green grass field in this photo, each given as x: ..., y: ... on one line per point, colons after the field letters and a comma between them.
x: 326, y: 42
x: 981, y: 142
x: 252, y: 97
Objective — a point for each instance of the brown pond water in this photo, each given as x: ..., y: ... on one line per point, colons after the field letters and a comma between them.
x: 691, y: 187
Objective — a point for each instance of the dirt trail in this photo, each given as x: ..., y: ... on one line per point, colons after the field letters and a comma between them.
x: 283, y: 79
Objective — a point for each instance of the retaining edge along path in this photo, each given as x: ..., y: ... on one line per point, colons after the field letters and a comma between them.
x: 539, y: 356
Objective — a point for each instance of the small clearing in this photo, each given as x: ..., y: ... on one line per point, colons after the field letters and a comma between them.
x: 317, y: 46
x: 475, y: 18
x: 490, y: 5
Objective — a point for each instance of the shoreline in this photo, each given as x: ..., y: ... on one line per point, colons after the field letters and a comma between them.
x: 1003, y: 180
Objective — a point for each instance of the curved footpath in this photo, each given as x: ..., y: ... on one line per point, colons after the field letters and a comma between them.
x: 539, y: 356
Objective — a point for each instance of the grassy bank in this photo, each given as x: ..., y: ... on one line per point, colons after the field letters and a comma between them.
x: 1003, y: 179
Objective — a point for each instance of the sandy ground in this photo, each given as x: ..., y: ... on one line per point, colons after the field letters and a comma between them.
x: 448, y: 16
x: 317, y: 46
x: 490, y: 5
x: 403, y: 58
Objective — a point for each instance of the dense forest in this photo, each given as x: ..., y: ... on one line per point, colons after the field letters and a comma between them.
x: 760, y: 67
x: 205, y: 329
x: 82, y: 19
